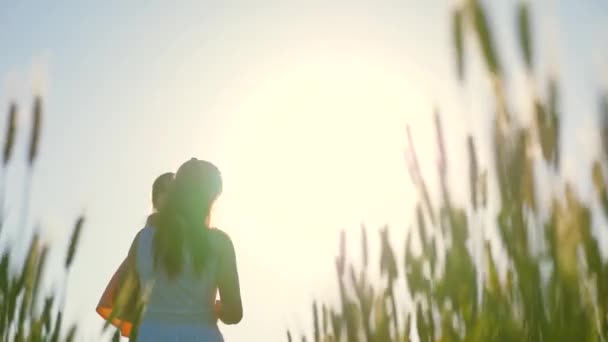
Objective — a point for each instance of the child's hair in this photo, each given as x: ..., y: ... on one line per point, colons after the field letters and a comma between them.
x: 161, y: 187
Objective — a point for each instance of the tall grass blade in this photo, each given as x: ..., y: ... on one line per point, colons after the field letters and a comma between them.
x: 525, y: 35
x: 458, y: 38
x: 35, y: 132
x: 74, y: 242
x: 11, y: 131
x: 484, y: 37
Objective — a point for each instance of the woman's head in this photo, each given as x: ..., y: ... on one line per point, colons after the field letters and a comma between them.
x: 183, y: 219
x: 160, y: 189
x: 197, y: 185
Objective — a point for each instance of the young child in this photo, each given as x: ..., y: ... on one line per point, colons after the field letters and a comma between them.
x: 106, y: 304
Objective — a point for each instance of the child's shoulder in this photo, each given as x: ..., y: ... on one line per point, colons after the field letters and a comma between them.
x: 144, y: 233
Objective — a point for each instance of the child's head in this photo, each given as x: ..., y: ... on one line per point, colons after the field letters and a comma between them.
x: 160, y: 189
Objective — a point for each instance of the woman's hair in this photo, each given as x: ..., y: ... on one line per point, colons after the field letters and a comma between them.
x: 182, y: 222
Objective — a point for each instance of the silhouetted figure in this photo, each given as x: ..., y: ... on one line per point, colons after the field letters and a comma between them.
x: 181, y: 263
x: 106, y: 307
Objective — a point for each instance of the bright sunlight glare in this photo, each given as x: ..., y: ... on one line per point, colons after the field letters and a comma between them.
x: 315, y: 148
x: 321, y: 144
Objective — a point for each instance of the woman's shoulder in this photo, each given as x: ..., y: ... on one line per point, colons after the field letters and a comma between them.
x: 221, y: 241
x: 219, y: 236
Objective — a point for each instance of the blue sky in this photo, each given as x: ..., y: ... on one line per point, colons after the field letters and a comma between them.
x: 303, y: 106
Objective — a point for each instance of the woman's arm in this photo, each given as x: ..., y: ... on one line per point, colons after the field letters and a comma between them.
x: 231, y: 309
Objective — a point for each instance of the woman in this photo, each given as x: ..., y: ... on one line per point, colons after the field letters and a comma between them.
x: 181, y: 263
x: 106, y: 306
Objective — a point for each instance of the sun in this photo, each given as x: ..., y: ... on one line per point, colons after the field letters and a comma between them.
x: 318, y: 144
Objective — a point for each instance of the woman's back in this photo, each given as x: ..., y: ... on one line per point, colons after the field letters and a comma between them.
x: 180, y: 308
